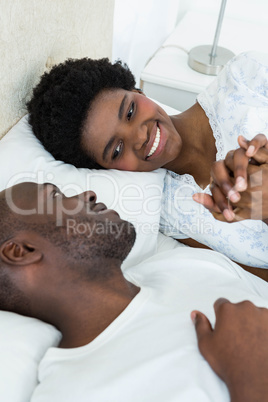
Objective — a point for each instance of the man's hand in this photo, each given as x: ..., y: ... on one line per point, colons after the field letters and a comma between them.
x: 236, y: 348
x: 233, y: 198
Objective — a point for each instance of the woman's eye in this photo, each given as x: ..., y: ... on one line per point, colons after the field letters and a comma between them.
x: 117, y: 150
x: 130, y: 112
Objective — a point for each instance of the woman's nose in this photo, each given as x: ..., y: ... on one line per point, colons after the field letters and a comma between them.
x: 140, y: 137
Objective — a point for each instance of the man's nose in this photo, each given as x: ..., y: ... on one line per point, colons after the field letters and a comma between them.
x: 90, y: 197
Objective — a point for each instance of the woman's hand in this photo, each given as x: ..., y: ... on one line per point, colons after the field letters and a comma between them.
x: 236, y: 348
x: 241, y: 158
x: 234, y: 195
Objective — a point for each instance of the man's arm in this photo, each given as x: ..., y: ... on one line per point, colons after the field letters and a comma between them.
x: 236, y: 348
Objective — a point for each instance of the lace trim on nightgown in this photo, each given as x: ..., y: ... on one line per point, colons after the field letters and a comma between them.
x: 204, y: 103
x: 187, y: 178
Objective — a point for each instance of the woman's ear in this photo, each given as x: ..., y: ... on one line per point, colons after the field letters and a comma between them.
x: 17, y: 252
x: 140, y: 91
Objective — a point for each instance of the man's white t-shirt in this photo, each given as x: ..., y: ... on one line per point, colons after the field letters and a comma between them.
x: 149, y: 353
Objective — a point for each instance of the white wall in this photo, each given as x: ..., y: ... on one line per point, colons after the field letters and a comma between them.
x: 246, y: 10
x: 141, y: 26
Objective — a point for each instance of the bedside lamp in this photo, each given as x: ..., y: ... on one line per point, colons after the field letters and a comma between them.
x: 207, y: 59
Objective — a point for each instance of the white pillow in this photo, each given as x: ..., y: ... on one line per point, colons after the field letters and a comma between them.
x: 24, y: 341
x: 136, y: 197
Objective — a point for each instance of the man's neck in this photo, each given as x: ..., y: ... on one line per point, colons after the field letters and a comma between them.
x: 82, y: 326
x: 83, y: 309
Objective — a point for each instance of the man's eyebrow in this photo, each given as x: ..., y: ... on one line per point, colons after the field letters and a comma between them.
x: 43, y: 187
x: 107, y: 148
x: 122, y: 106
x: 46, y: 187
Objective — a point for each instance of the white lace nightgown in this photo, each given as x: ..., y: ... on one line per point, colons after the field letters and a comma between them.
x: 236, y: 102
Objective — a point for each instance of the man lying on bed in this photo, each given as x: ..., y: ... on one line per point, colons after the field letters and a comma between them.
x: 128, y: 338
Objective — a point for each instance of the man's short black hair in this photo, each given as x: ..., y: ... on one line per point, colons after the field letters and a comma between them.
x: 61, y: 100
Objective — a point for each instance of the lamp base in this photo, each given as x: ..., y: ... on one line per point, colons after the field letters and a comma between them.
x: 200, y: 59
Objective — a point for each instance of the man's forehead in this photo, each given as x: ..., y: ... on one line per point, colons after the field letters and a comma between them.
x: 26, y: 196
x: 22, y: 191
x: 21, y: 187
x: 33, y: 203
x: 28, y: 188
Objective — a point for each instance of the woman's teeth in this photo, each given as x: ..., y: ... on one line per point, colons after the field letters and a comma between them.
x: 156, y: 143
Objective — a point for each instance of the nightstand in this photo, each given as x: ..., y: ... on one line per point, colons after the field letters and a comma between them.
x: 167, y: 76
x: 169, y: 79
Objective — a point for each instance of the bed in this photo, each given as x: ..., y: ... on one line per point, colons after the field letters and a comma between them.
x: 35, y: 36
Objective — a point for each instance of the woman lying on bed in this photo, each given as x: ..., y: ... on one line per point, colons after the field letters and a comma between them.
x: 88, y: 113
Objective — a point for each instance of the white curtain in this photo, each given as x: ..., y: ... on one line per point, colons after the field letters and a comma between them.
x: 140, y: 27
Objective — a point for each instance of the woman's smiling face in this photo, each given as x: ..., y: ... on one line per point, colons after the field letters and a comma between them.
x: 125, y: 130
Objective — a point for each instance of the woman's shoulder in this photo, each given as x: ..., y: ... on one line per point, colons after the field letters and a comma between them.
x: 236, y: 101
x: 248, y: 60
x: 249, y: 69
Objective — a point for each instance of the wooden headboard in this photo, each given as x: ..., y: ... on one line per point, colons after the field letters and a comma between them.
x: 36, y: 34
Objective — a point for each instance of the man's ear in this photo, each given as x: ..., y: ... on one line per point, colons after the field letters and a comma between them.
x: 17, y: 252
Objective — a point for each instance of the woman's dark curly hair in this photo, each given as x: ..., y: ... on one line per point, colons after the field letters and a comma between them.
x: 61, y: 101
